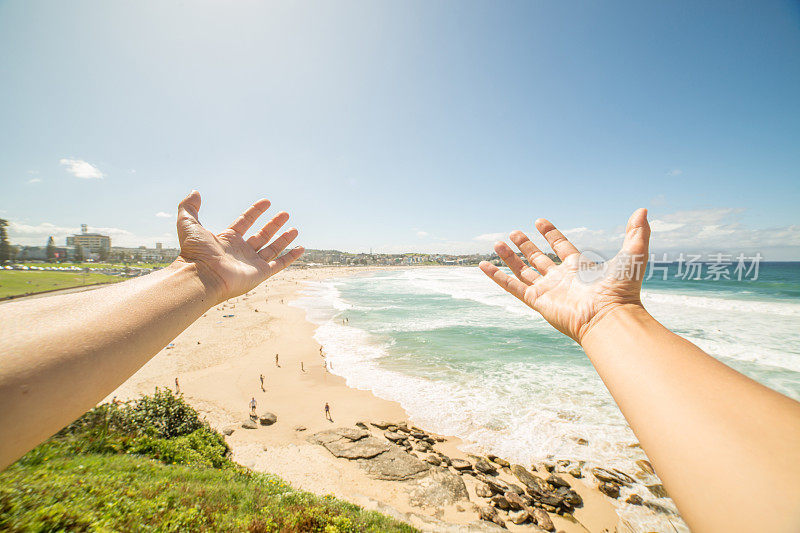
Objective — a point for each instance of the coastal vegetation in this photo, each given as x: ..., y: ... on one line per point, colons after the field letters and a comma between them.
x: 154, y: 464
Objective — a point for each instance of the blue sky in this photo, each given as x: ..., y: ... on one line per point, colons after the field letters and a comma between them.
x: 430, y: 126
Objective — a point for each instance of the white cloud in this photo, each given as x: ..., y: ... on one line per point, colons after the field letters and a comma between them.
x: 659, y: 225
x: 489, y: 237
x: 675, y: 172
x: 422, y: 233
x: 162, y: 214
x: 35, y: 180
x: 81, y: 169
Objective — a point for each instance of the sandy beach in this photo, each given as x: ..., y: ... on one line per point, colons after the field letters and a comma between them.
x: 218, y: 361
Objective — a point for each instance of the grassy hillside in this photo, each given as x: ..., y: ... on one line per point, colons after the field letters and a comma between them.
x: 153, y: 465
x: 19, y: 282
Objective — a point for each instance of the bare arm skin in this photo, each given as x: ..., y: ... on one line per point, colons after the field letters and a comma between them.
x: 724, y: 445
x: 61, y: 355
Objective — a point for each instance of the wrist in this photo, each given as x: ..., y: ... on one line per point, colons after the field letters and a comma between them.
x: 209, y: 286
x: 618, y: 318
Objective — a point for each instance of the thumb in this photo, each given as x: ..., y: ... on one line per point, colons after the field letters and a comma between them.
x: 188, y: 213
x: 637, y: 234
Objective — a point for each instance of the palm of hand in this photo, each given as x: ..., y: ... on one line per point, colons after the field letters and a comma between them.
x: 575, y: 294
x: 227, y: 262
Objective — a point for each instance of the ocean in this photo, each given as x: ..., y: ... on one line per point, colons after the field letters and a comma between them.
x: 464, y: 358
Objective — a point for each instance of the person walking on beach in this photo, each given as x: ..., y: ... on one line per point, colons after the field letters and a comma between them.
x: 253, y: 405
x: 328, y: 412
x: 177, y: 387
x: 321, y: 354
x: 704, y: 426
x: 262, y: 383
x: 276, y: 361
x: 302, y: 369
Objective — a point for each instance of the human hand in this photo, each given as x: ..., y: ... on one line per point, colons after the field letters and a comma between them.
x: 228, y: 264
x: 577, y: 294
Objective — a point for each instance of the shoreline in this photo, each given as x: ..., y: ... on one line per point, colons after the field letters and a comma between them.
x: 218, y: 360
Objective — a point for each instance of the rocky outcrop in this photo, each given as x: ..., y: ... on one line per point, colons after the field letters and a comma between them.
x: 645, y: 466
x: 461, y: 464
x: 634, y: 499
x: 519, y: 517
x: 249, y: 424
x: 438, y: 489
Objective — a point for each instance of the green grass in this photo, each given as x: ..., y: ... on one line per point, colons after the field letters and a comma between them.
x: 20, y: 282
x: 153, y: 465
x: 111, y: 266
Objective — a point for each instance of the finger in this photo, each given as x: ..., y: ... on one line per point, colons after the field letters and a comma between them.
x: 271, y: 252
x: 560, y: 245
x: 523, y: 272
x: 188, y: 214
x: 637, y: 234
x: 262, y: 236
x: 285, y: 260
x: 509, y: 284
x: 535, y: 256
x: 248, y: 218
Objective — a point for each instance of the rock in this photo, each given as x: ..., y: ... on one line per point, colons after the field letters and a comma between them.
x: 534, y: 483
x: 657, y: 490
x: 433, y: 459
x: 482, y: 490
x: 382, y: 424
x: 460, y: 464
x: 582, y: 442
x: 571, y: 498
x: 267, y: 419
x: 394, y: 465
x: 519, y: 517
x: 484, y: 466
x: 249, y: 424
x: 645, y: 466
x: 227, y: 431
x: 499, y: 501
x: 495, y: 487
x: 362, y: 425
x: 615, y: 476
x: 634, y: 499
x: 609, y: 489
x: 438, y: 489
x: 514, y: 501
x: 542, y: 520
x: 353, y: 434
x: 437, y: 438
x: 418, y: 434
x: 299, y: 428
x: 549, y: 466
x: 659, y: 508
x: 422, y: 446
x: 446, y: 460
x: 402, y: 426
x: 516, y: 489
x: 576, y: 473
x: 498, y: 460
x: 350, y: 443
x: 557, y: 481
x: 490, y: 515
x: 394, y: 437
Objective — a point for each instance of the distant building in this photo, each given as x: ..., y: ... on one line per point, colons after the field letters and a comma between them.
x: 91, y: 242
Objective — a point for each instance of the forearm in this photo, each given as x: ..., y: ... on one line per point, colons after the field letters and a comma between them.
x: 710, y: 431
x: 63, y: 354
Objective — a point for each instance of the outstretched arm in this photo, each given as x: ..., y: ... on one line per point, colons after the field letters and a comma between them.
x: 723, y: 444
x: 61, y: 355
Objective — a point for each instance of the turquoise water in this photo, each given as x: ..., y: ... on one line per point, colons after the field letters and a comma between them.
x: 466, y: 359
